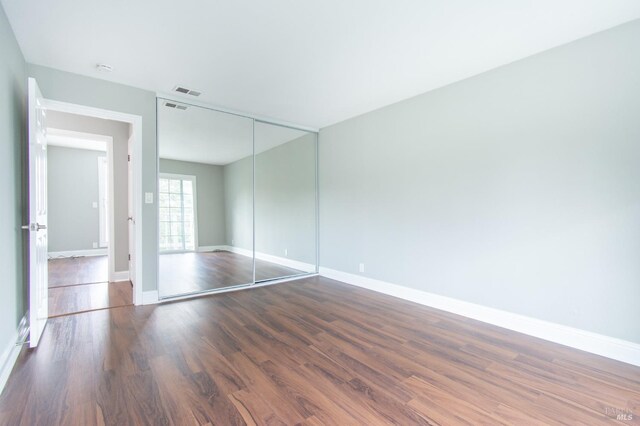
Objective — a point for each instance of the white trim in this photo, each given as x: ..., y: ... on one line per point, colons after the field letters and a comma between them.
x: 77, y: 140
x: 8, y: 360
x: 119, y: 276
x: 79, y: 253
x: 235, y: 288
x: 289, y: 263
x: 111, y: 211
x: 150, y: 297
x: 261, y: 118
x: 136, y: 124
x: 105, y: 209
x: 10, y: 355
x: 598, y: 344
x: 282, y: 261
x: 211, y: 248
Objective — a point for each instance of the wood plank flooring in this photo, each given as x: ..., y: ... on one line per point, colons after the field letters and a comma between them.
x: 89, y: 297
x: 309, y: 352
x: 78, y: 270
x: 182, y: 273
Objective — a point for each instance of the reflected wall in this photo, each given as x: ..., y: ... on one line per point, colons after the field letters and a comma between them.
x: 285, y: 201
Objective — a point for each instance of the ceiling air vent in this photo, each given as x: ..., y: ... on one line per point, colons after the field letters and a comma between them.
x: 175, y: 106
x: 181, y: 89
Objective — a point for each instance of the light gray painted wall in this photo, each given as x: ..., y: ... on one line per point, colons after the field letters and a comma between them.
x: 72, y: 187
x: 285, y: 201
x: 210, y: 198
x: 238, y: 203
x: 517, y: 189
x: 13, y: 92
x: 120, y: 133
x: 77, y: 89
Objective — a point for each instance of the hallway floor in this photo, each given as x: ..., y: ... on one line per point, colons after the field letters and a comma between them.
x: 80, y: 284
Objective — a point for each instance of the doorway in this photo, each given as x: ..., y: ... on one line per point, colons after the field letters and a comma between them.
x: 38, y: 109
x: 87, y: 204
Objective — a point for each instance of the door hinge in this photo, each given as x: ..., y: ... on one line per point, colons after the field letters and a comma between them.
x: 129, y: 257
x: 128, y: 157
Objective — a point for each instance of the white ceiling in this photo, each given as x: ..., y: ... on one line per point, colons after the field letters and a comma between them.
x: 308, y: 62
x: 201, y: 135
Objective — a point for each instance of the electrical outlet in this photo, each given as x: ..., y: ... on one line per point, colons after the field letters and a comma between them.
x: 361, y: 267
x: 94, y: 204
x: 95, y: 245
x: 148, y: 197
x: 286, y: 252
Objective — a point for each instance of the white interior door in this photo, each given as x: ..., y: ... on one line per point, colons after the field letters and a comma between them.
x: 37, y: 227
x: 132, y: 221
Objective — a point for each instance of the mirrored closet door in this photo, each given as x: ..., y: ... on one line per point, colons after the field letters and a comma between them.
x: 285, y: 201
x: 205, y: 199
x: 219, y: 174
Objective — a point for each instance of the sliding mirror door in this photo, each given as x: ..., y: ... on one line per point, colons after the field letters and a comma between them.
x: 285, y: 201
x: 205, y: 199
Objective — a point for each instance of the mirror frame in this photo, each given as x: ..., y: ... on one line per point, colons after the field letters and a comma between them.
x: 164, y: 98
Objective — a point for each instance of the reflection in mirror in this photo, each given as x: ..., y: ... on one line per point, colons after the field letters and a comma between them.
x: 285, y: 201
x: 205, y: 221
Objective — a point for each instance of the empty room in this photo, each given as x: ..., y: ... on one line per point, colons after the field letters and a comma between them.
x: 420, y: 212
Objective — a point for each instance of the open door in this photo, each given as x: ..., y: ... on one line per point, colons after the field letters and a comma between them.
x: 37, y: 227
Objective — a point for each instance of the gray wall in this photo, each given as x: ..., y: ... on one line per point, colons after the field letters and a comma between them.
x: 72, y: 187
x: 13, y: 92
x: 77, y: 89
x: 517, y: 189
x: 285, y: 201
x: 120, y: 133
x: 238, y: 203
x: 210, y: 198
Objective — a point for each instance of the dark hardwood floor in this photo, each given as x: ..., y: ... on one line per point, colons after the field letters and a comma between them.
x: 89, y: 297
x: 182, y: 273
x: 313, y: 351
x: 79, y: 284
x: 78, y: 270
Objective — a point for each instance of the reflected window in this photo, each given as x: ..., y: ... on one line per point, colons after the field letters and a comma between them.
x: 176, y: 201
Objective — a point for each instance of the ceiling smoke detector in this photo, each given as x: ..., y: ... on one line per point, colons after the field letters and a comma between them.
x: 104, y: 67
x: 175, y: 106
x: 186, y: 91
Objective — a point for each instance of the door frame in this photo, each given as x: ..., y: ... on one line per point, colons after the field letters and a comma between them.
x: 136, y: 135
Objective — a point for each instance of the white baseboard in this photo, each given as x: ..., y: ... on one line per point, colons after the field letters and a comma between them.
x: 587, y: 341
x: 74, y: 253
x: 211, y: 248
x: 119, y: 276
x: 282, y: 261
x: 238, y: 250
x: 236, y: 288
x: 289, y: 263
x: 150, y: 297
x: 10, y: 355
